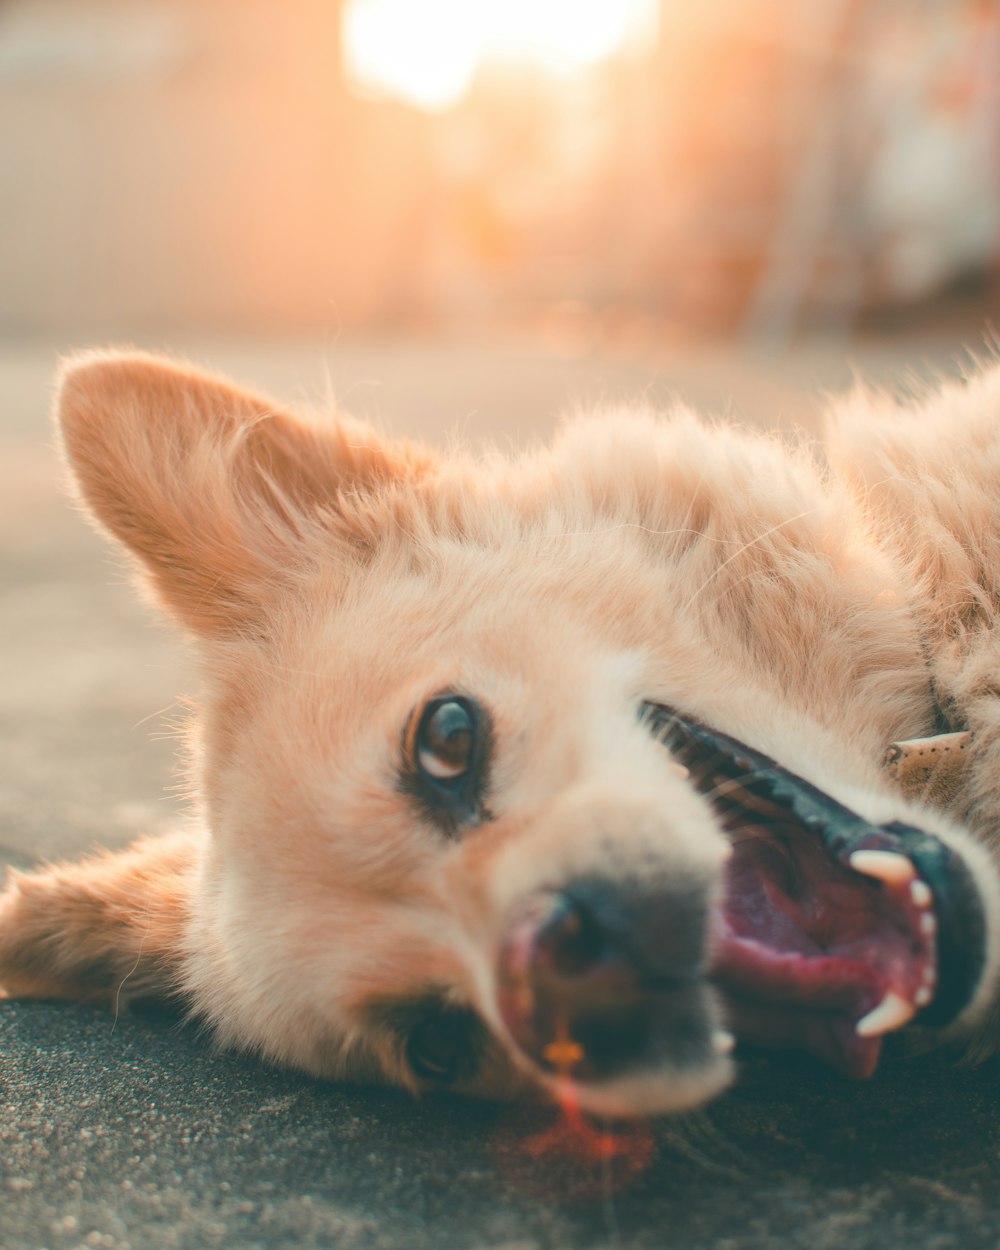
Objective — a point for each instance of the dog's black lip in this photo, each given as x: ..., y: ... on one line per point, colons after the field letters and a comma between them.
x: 961, y: 939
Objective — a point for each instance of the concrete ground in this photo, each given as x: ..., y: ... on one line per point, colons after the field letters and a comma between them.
x: 137, y: 1133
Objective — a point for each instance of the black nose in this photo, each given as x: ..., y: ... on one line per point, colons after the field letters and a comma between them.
x: 598, y: 978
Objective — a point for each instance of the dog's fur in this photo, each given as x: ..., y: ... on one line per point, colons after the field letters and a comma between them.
x: 333, y: 582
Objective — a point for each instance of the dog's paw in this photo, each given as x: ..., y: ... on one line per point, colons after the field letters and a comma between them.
x: 84, y: 930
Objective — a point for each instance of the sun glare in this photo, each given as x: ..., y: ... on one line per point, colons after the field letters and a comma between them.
x: 427, y: 53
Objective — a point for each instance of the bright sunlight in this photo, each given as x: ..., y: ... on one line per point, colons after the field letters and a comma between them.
x: 427, y: 53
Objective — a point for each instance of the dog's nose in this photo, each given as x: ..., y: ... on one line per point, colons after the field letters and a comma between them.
x: 594, y: 978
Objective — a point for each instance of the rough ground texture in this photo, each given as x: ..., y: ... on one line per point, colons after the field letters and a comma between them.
x: 136, y: 1133
x: 140, y: 1135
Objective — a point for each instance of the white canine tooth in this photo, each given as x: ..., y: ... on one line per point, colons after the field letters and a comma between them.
x: 891, y: 1014
x: 930, y: 974
x: 923, y: 996
x: 921, y: 893
x: 928, y: 924
x: 886, y: 866
x: 723, y: 1042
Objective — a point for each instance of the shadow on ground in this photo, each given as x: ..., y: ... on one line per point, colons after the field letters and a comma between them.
x: 137, y: 1133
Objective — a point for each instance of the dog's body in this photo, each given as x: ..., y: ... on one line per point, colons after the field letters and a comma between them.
x: 478, y: 737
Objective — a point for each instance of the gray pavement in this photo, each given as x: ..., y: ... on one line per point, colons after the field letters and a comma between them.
x: 140, y: 1136
x: 136, y: 1133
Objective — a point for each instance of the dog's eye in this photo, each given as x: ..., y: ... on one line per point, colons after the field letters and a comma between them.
x: 446, y: 755
x: 439, y: 1048
x: 446, y: 740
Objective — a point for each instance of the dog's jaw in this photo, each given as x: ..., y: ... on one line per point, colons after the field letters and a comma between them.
x: 888, y: 939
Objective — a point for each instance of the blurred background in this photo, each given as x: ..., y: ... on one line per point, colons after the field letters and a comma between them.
x: 611, y: 173
x: 450, y: 215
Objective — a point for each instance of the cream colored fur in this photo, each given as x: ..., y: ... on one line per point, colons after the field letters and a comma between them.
x: 332, y: 582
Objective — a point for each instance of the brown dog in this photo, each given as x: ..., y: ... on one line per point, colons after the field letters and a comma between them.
x: 559, y: 769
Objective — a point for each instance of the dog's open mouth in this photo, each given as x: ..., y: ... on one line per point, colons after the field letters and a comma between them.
x: 832, y: 931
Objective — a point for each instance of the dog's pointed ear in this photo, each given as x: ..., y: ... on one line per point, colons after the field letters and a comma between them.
x: 104, y: 929
x: 209, y: 485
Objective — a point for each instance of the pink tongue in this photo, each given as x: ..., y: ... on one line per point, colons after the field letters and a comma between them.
x: 802, y: 956
x: 790, y: 1000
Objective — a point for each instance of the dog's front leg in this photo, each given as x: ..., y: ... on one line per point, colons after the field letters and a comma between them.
x: 101, y: 929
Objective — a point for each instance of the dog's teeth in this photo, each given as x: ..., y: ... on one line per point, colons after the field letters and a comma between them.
x: 891, y: 1014
x: 680, y: 769
x: 885, y: 866
x: 923, y: 996
x: 921, y: 893
x: 723, y: 1042
x: 930, y: 974
x: 928, y: 924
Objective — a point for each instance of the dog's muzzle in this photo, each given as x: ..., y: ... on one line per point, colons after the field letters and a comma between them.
x: 830, y: 933
x: 601, y: 978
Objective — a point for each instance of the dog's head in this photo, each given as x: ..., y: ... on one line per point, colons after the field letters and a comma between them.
x: 470, y: 749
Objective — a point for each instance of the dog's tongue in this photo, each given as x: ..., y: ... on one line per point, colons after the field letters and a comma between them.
x: 796, y: 1002
x: 814, y: 955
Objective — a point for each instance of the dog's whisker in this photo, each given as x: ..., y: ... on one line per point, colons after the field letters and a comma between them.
x: 744, y: 548
x: 699, y: 1139
x: 167, y: 707
x: 673, y: 532
x: 737, y: 786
